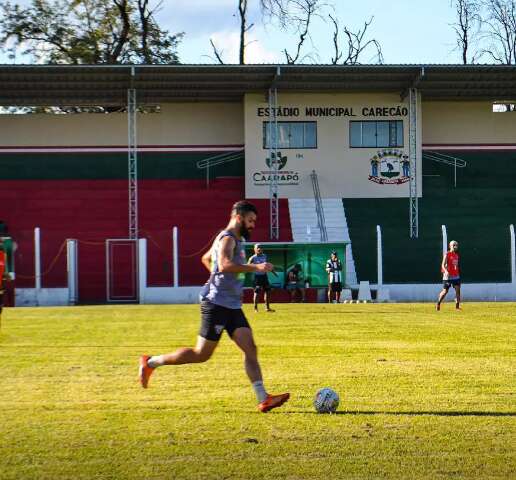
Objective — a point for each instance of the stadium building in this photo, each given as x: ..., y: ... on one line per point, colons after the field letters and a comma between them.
x: 427, y: 153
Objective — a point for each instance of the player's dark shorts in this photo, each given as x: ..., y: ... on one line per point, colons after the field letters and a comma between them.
x: 336, y: 287
x: 261, y: 282
x: 452, y: 282
x: 215, y: 319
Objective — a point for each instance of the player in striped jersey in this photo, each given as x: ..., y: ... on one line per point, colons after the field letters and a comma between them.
x: 334, y: 269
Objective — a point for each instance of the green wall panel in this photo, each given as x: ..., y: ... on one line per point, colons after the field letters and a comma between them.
x: 110, y: 166
x: 477, y: 213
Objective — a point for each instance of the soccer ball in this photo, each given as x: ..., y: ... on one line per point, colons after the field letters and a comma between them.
x: 326, y: 400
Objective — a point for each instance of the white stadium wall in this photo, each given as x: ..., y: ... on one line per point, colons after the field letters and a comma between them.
x: 466, y: 123
x: 343, y: 172
x: 176, y: 124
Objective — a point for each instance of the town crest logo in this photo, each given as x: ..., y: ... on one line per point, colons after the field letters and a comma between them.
x: 281, y: 160
x: 390, y: 167
x: 283, y: 177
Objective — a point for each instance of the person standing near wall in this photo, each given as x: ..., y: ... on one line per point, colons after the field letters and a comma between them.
x: 451, y: 274
x: 334, y: 269
x: 294, y: 283
x: 261, y: 281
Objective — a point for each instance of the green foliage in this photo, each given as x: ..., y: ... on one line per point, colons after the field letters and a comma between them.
x: 424, y: 395
x: 86, y: 32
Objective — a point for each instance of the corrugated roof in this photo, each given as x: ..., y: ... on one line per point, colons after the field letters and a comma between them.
x: 108, y: 84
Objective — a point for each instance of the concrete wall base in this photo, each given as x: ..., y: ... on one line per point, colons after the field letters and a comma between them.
x: 477, y: 292
x: 43, y: 297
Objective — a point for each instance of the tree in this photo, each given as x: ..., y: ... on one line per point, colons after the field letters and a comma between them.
x: 291, y: 15
x: 243, y: 6
x: 499, y: 27
x: 296, y: 17
x: 467, y: 28
x: 356, y: 44
x: 300, y: 15
x: 87, y: 32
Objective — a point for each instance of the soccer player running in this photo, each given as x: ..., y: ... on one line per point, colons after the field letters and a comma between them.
x: 451, y: 274
x: 261, y: 281
x: 334, y: 269
x: 221, y: 307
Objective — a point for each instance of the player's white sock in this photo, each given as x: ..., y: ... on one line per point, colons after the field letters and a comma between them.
x: 259, y: 389
x: 155, y: 361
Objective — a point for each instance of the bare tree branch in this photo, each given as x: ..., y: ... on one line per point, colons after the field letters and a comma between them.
x: 275, y: 11
x: 244, y: 28
x: 124, y: 35
x: 338, y: 52
x: 144, y: 22
x: 500, y: 30
x: 467, y: 27
x: 218, y: 53
x: 356, y: 44
x: 307, y: 8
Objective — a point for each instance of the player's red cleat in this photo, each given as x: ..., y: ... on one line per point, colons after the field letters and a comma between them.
x: 273, y: 401
x: 145, y: 371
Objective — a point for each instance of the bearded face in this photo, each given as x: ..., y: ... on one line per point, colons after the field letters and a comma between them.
x: 246, y: 224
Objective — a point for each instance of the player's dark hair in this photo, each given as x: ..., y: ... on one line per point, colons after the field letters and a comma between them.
x: 243, y: 207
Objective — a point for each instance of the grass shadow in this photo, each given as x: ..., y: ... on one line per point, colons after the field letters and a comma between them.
x: 423, y: 413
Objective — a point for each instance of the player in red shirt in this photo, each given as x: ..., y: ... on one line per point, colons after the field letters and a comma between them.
x: 451, y: 274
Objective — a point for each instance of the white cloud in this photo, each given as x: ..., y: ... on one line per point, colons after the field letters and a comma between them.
x: 189, y: 4
x: 228, y: 42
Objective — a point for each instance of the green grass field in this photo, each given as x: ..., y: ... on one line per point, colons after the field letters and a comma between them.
x: 424, y: 394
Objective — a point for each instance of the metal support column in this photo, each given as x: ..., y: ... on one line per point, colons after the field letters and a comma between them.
x: 413, y: 126
x: 274, y: 161
x: 132, y: 160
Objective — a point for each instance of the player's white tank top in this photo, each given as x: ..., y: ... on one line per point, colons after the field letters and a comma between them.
x: 225, y: 289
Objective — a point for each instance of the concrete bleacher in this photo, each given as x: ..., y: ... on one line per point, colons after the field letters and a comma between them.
x: 477, y: 213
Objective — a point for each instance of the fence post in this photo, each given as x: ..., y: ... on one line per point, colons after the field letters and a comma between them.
x: 142, y: 269
x: 71, y: 268
x: 379, y: 255
x: 513, y: 254
x: 37, y: 258
x: 175, y: 255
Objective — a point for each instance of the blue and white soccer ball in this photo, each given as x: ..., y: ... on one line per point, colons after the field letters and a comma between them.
x: 326, y: 400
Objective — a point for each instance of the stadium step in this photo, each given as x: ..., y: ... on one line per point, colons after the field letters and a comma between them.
x: 303, y: 218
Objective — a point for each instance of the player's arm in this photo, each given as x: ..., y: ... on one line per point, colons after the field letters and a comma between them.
x: 444, y: 264
x: 206, y: 260
x: 227, y: 265
x: 251, y: 258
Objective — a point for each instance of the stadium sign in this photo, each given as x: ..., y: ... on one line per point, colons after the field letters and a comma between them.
x: 284, y: 177
x: 390, y: 167
x: 333, y: 111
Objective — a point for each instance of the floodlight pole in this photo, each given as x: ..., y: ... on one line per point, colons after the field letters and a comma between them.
x: 413, y: 127
x: 273, y: 158
x: 132, y: 154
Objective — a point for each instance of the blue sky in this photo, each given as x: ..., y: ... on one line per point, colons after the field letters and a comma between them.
x: 410, y: 31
